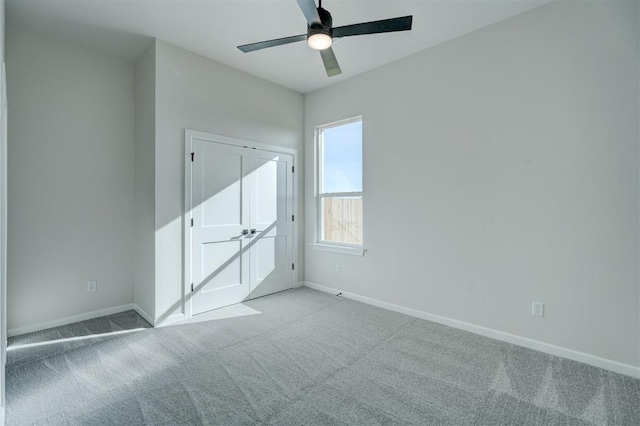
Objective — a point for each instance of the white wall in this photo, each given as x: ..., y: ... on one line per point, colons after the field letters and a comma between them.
x: 144, y: 245
x: 501, y: 168
x: 71, y: 179
x: 197, y: 93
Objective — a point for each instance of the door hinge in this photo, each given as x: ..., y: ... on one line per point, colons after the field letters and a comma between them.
x: 192, y: 222
x: 193, y: 154
x: 191, y: 286
x: 293, y: 266
x: 293, y: 169
x: 293, y: 218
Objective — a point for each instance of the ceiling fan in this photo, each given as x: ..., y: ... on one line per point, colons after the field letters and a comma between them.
x: 320, y: 33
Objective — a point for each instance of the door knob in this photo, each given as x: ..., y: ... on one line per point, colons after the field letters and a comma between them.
x: 253, y: 232
x: 245, y: 232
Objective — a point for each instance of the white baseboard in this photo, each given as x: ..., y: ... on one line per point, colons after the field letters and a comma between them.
x: 74, y: 318
x: 143, y: 313
x: 596, y: 361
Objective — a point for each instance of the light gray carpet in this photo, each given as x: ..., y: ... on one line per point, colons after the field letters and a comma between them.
x: 31, y: 346
x: 303, y: 358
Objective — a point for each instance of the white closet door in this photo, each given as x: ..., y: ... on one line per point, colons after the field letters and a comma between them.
x: 220, y: 209
x: 271, y: 218
x: 242, y: 231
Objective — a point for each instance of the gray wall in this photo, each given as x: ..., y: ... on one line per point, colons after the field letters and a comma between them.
x: 501, y: 168
x: 197, y: 93
x: 145, y: 229
x: 71, y: 174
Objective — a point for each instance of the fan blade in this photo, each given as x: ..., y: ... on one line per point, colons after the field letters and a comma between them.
x: 374, y: 27
x: 246, y: 48
x: 330, y: 62
x: 310, y: 11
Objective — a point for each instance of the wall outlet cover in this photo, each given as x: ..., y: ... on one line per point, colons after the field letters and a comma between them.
x: 537, y: 309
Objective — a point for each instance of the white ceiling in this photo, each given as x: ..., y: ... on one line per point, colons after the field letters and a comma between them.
x: 213, y: 28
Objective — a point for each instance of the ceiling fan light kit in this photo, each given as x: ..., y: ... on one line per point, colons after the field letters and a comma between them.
x: 320, y: 33
x: 319, y: 41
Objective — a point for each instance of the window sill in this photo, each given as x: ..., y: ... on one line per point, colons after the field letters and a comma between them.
x: 353, y: 251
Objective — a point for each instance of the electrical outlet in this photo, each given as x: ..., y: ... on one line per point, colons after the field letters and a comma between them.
x: 537, y: 309
x: 92, y: 286
x: 337, y: 269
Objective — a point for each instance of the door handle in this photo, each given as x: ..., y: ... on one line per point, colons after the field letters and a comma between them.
x: 253, y: 232
x: 243, y: 234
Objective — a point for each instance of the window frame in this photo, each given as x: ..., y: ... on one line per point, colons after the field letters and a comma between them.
x: 320, y: 244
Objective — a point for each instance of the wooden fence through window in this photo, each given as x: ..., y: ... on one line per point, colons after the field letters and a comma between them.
x: 343, y: 219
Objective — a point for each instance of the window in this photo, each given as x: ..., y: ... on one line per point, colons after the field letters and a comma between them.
x: 339, y: 183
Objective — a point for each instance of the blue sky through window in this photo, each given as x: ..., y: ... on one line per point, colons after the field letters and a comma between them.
x: 342, y: 158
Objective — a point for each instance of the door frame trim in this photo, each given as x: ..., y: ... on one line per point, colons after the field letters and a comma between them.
x: 189, y: 136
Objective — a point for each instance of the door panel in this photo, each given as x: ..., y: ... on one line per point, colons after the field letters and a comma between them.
x: 220, y: 261
x: 222, y: 189
x: 271, y: 254
x: 266, y: 192
x: 236, y: 189
x: 271, y: 266
x: 265, y: 257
